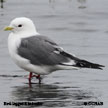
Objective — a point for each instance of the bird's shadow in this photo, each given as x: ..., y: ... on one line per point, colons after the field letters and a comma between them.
x: 51, y: 95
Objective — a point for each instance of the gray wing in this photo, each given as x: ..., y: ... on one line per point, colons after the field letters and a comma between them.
x: 40, y: 50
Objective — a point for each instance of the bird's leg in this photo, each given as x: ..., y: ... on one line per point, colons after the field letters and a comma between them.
x: 30, y: 77
x: 38, y: 77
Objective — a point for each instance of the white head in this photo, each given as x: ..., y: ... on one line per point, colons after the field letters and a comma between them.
x: 22, y: 25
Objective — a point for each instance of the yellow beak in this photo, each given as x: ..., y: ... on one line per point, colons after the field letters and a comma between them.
x: 8, y: 28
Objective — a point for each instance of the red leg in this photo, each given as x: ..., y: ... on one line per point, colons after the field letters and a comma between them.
x: 30, y: 76
x: 38, y: 77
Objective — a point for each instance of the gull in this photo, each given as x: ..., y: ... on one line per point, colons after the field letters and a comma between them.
x: 38, y: 54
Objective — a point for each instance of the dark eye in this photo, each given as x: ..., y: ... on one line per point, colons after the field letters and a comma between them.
x: 19, y: 25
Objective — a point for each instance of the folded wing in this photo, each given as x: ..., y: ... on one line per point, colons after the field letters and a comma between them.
x: 40, y: 50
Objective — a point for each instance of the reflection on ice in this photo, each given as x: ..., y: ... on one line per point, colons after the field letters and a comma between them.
x: 52, y: 95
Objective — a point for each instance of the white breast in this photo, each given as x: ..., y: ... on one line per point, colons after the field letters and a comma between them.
x: 13, y: 44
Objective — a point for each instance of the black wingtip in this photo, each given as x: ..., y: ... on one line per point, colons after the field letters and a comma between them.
x: 86, y: 64
x: 100, y: 67
x: 82, y: 63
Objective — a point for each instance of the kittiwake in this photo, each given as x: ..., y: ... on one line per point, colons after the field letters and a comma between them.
x: 38, y: 54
